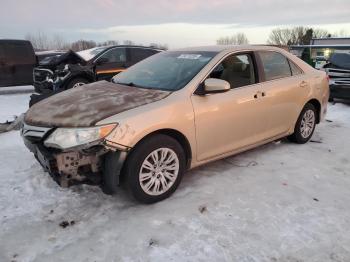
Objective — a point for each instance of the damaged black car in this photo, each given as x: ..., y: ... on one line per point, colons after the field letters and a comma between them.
x: 72, y: 69
x: 338, y: 70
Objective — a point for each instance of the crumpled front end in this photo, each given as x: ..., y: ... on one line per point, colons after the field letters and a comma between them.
x: 53, y: 80
x: 81, y: 165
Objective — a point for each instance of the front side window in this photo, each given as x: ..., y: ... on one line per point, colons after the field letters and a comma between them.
x: 170, y: 70
x: 238, y: 70
x: 114, y: 55
x: 275, y: 65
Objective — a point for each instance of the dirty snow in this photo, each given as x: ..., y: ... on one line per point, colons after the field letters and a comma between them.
x: 279, y: 202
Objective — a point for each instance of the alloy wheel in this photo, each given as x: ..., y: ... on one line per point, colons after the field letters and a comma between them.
x: 307, y: 123
x: 159, y: 171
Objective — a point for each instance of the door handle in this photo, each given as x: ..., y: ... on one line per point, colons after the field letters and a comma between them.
x: 303, y: 84
x: 261, y: 93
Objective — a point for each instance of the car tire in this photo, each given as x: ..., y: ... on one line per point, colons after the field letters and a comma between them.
x: 75, y: 82
x: 154, y: 169
x: 305, y: 125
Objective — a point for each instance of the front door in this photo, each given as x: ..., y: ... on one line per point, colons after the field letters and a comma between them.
x: 112, y: 62
x: 232, y: 120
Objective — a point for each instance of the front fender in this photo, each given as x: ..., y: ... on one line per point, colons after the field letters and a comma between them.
x: 137, y: 123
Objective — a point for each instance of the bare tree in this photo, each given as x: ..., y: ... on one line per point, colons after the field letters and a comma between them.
x: 128, y: 42
x: 108, y: 42
x: 58, y: 42
x: 159, y: 46
x: 40, y: 41
x: 236, y: 39
x: 321, y: 33
x: 82, y: 45
x: 283, y: 36
x: 298, y: 35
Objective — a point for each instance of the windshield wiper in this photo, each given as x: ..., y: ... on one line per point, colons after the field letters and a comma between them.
x: 131, y: 84
x: 125, y: 84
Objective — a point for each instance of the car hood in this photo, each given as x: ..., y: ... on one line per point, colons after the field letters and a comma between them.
x: 69, y: 57
x: 86, y: 105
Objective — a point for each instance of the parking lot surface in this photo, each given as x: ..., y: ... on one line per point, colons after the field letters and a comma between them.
x: 279, y: 202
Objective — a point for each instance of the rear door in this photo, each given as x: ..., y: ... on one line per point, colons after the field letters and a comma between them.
x: 110, y: 63
x: 284, y: 86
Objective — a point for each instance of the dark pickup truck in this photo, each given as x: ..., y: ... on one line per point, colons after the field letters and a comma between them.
x: 73, y: 69
x: 17, y: 60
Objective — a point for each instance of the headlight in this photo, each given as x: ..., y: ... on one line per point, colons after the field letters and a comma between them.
x: 64, y: 138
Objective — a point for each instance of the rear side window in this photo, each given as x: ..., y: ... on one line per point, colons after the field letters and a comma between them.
x: 295, y: 69
x: 275, y: 65
x: 114, y: 55
x: 18, y: 53
x: 138, y: 54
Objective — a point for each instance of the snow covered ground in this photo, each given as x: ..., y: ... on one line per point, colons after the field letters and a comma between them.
x: 279, y: 202
x: 12, y: 105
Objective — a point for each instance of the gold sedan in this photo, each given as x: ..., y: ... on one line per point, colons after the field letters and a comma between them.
x: 174, y: 111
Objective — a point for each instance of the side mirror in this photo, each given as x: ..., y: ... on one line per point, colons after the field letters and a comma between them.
x: 102, y: 60
x: 214, y: 85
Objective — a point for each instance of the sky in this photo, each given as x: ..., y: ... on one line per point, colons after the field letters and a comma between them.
x: 177, y: 23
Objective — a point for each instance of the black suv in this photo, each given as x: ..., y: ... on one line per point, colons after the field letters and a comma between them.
x: 72, y: 69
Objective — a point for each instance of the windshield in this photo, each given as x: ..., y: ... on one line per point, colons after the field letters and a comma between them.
x: 91, y: 53
x: 165, y: 71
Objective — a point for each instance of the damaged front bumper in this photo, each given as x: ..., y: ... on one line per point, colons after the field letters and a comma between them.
x: 43, y: 79
x: 67, y: 168
x: 46, y: 80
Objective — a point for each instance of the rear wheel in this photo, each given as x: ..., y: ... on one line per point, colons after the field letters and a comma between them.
x: 155, y: 168
x: 305, y: 126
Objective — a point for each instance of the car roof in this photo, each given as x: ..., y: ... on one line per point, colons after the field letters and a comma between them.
x: 131, y: 46
x: 228, y: 48
x: 12, y: 40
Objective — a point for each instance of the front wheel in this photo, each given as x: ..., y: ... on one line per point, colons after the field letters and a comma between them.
x: 76, y: 82
x: 154, y: 168
x: 305, y: 126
